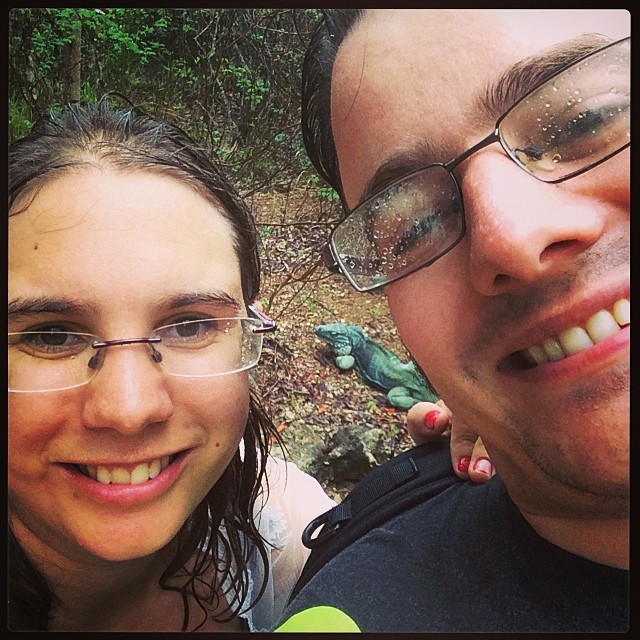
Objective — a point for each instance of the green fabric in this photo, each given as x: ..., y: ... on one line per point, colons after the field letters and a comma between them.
x: 319, y: 619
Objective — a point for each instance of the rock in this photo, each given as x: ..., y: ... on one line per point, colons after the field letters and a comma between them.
x: 354, y: 451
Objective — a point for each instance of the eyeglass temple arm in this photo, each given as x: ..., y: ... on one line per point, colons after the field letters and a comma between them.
x: 329, y: 259
x: 268, y: 324
x: 485, y: 142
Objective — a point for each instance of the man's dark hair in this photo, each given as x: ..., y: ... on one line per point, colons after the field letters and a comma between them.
x: 317, y: 70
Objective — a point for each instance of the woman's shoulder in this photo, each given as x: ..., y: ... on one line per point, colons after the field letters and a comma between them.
x: 291, y: 498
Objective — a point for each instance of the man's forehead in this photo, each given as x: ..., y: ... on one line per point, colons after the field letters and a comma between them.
x: 538, y: 27
x: 401, y: 72
x: 459, y: 36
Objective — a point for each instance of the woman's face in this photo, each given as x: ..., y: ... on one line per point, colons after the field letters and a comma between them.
x: 118, y: 255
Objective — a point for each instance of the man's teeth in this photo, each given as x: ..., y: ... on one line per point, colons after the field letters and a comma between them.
x: 138, y: 474
x: 598, y: 327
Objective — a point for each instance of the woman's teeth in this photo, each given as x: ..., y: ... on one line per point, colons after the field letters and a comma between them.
x: 598, y: 327
x: 137, y: 474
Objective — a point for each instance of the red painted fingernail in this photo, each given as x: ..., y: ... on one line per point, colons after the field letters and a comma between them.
x: 463, y: 464
x: 430, y: 419
x: 483, y: 465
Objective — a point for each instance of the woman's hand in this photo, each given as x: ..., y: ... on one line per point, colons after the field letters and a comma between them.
x: 427, y: 421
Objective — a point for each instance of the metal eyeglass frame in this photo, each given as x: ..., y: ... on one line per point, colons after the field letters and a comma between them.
x: 329, y: 257
x: 268, y: 325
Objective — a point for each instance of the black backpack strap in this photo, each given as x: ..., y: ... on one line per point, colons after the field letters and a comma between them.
x: 404, y: 481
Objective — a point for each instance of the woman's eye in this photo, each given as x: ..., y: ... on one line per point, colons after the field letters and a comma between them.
x: 53, y: 341
x: 194, y: 332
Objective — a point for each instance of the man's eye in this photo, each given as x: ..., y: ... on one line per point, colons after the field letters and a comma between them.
x: 581, y: 129
x: 414, y: 233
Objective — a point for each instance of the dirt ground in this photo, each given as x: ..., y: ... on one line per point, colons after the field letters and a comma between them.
x: 308, y: 395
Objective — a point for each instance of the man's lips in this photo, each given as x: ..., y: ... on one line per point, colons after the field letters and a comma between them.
x: 598, y: 327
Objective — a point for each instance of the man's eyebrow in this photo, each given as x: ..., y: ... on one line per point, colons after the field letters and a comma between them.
x: 398, y: 166
x: 24, y: 307
x: 522, y: 77
x: 498, y: 97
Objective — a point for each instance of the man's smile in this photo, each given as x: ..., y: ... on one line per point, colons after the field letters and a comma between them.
x: 598, y: 327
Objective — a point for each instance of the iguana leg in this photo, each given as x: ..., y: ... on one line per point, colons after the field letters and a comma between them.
x: 401, y: 398
x: 345, y: 362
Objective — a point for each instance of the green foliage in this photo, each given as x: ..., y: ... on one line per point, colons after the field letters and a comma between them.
x: 19, y: 118
x: 230, y: 77
x: 266, y: 230
x: 320, y: 190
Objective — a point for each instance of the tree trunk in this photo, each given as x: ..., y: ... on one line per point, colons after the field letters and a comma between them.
x: 72, y: 67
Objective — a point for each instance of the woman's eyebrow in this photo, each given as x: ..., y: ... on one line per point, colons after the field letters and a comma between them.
x: 523, y: 76
x: 215, y: 297
x: 24, y: 307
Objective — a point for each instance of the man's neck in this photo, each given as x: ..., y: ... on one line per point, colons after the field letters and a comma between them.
x: 602, y: 541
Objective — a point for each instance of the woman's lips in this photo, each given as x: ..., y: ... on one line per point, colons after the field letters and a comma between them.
x: 125, y: 484
x: 127, y: 474
x: 596, y: 328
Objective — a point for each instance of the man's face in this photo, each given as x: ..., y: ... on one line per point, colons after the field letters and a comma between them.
x: 537, y: 259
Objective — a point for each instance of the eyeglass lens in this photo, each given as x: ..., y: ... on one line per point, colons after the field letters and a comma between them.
x: 569, y: 124
x: 51, y: 360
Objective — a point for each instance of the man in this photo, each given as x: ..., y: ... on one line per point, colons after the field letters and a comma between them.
x: 482, y: 157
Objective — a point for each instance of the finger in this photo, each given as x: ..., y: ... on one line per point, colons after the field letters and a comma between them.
x: 463, y: 441
x: 427, y: 421
x: 480, y: 467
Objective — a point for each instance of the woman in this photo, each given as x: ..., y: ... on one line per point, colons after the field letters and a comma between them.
x: 138, y: 454
x: 141, y: 492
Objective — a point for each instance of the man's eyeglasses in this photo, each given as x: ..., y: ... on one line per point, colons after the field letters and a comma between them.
x: 53, y: 359
x: 564, y: 127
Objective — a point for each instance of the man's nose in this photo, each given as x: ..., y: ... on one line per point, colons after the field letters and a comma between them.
x: 521, y: 229
x: 129, y: 391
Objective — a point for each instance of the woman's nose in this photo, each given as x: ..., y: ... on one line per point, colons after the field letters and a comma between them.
x: 129, y: 390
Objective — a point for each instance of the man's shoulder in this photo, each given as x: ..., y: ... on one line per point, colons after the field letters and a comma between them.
x: 460, y: 560
x: 417, y: 488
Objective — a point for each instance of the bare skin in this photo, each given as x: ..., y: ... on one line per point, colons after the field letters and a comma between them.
x: 427, y: 421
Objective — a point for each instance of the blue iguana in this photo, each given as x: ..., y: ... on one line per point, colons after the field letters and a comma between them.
x: 402, y: 381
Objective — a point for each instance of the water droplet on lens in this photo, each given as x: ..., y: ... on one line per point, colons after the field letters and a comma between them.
x: 556, y: 158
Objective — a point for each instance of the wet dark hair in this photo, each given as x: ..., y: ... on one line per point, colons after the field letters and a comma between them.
x: 128, y: 139
x: 317, y: 69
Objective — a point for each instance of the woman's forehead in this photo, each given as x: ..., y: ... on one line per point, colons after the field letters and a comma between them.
x: 129, y: 232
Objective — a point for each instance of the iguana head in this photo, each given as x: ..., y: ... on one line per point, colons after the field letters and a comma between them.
x: 339, y: 336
